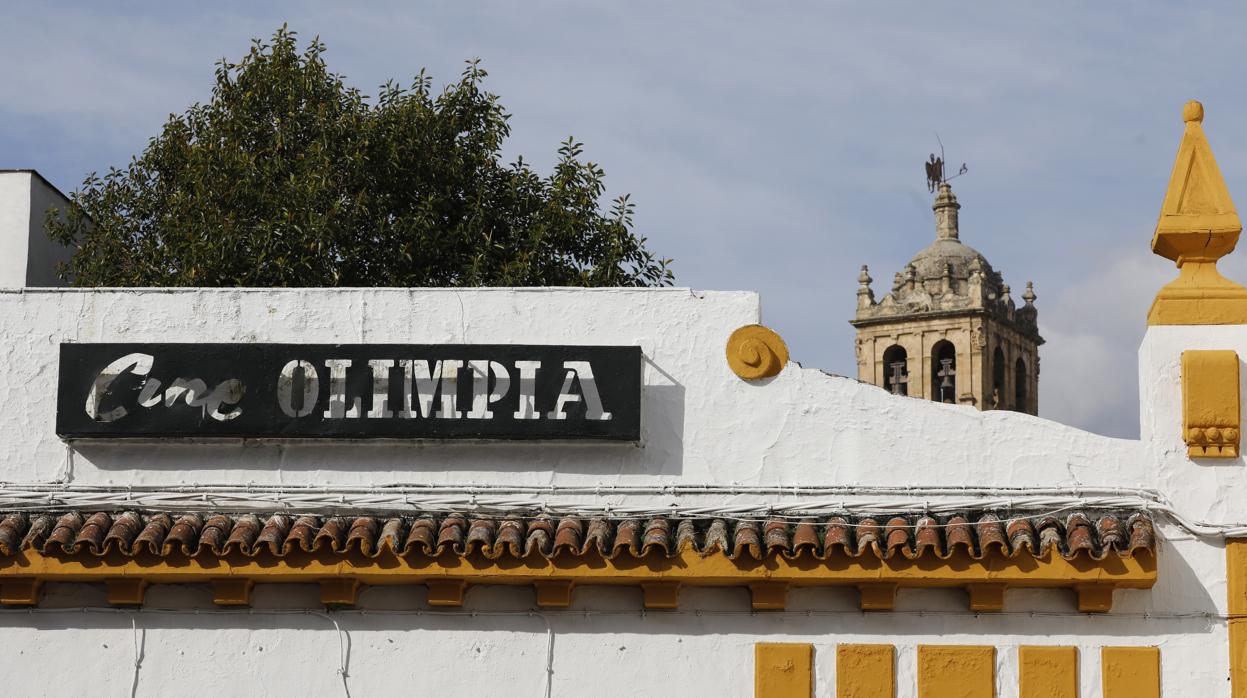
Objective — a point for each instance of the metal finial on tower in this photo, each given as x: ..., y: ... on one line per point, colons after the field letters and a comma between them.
x: 935, y: 169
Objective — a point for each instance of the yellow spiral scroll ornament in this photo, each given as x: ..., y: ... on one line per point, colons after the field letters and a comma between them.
x: 754, y: 352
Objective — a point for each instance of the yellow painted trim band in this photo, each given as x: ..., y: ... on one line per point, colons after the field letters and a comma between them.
x: 769, y: 579
x: 1130, y: 672
x: 956, y: 671
x: 783, y: 670
x: 865, y: 671
x: 1047, y: 672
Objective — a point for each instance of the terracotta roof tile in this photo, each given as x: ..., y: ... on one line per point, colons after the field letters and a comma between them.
x: 715, y: 538
x: 421, y: 537
x: 979, y: 535
x: 567, y: 535
x: 896, y: 536
x: 540, y: 537
x: 685, y: 535
x: 332, y: 533
x: 657, y: 536
x: 275, y: 532
x: 991, y: 534
x: 775, y: 533
x: 363, y: 534
x: 243, y: 535
x: 155, y: 532
x: 804, y: 537
x: 11, y: 529
x: 451, y: 533
x: 926, y: 536
x: 510, y: 540
x: 215, y: 530
x: 868, y: 534
x: 838, y: 536
x: 91, y: 535
x: 1142, y: 534
x: 958, y: 535
x: 1022, y: 535
x: 746, y: 540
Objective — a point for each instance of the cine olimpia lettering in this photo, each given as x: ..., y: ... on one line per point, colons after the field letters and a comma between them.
x: 349, y: 390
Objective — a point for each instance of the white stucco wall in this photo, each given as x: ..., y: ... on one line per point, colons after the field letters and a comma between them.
x: 15, y: 222
x: 27, y: 256
x: 700, y: 423
x: 701, y: 426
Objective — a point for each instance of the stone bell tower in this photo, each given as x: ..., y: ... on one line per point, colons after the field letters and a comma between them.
x: 949, y: 330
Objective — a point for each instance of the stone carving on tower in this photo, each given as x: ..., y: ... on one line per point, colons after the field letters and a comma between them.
x: 950, y: 330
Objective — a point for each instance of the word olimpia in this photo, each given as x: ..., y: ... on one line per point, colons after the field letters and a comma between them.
x: 538, y: 491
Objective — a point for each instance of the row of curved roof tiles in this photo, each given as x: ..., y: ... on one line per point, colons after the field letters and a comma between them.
x: 164, y: 534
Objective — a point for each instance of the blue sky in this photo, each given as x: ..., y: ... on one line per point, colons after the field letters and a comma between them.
x: 772, y: 148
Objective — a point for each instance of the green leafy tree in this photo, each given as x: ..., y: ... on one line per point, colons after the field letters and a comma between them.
x: 287, y: 177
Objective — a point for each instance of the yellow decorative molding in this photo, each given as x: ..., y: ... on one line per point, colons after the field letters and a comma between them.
x: 1236, y: 604
x: 754, y: 352
x: 783, y: 670
x: 1047, y: 672
x: 1130, y: 672
x: 964, y: 671
x: 1210, y: 403
x: 447, y: 576
x: 1198, y: 225
x: 866, y: 671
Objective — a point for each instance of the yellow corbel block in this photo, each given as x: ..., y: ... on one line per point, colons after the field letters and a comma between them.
x: 1210, y: 409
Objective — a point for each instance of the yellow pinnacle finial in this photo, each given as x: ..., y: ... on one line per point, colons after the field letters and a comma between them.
x: 1198, y: 225
x: 1193, y: 111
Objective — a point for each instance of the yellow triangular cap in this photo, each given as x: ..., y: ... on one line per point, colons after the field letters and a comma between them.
x: 1197, y: 227
x: 1197, y: 200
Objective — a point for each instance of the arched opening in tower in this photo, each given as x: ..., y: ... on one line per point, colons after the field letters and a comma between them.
x: 998, y: 379
x: 896, y: 369
x: 1019, y: 385
x: 944, y: 372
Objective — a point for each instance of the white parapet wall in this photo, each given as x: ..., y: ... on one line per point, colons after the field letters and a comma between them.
x: 701, y: 424
x: 744, y: 443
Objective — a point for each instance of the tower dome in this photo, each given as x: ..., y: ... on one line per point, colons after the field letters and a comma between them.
x: 949, y: 308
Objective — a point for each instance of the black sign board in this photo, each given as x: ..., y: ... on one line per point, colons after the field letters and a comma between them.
x: 393, y: 391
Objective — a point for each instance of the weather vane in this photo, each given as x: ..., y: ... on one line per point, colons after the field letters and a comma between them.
x: 935, y: 169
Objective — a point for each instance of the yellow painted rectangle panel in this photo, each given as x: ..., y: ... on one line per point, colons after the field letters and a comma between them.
x: 1130, y: 672
x: 783, y: 670
x: 1236, y: 592
x: 1210, y: 410
x: 1047, y: 672
x: 1236, y: 574
x: 956, y: 671
x: 1238, y: 657
x: 866, y: 671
